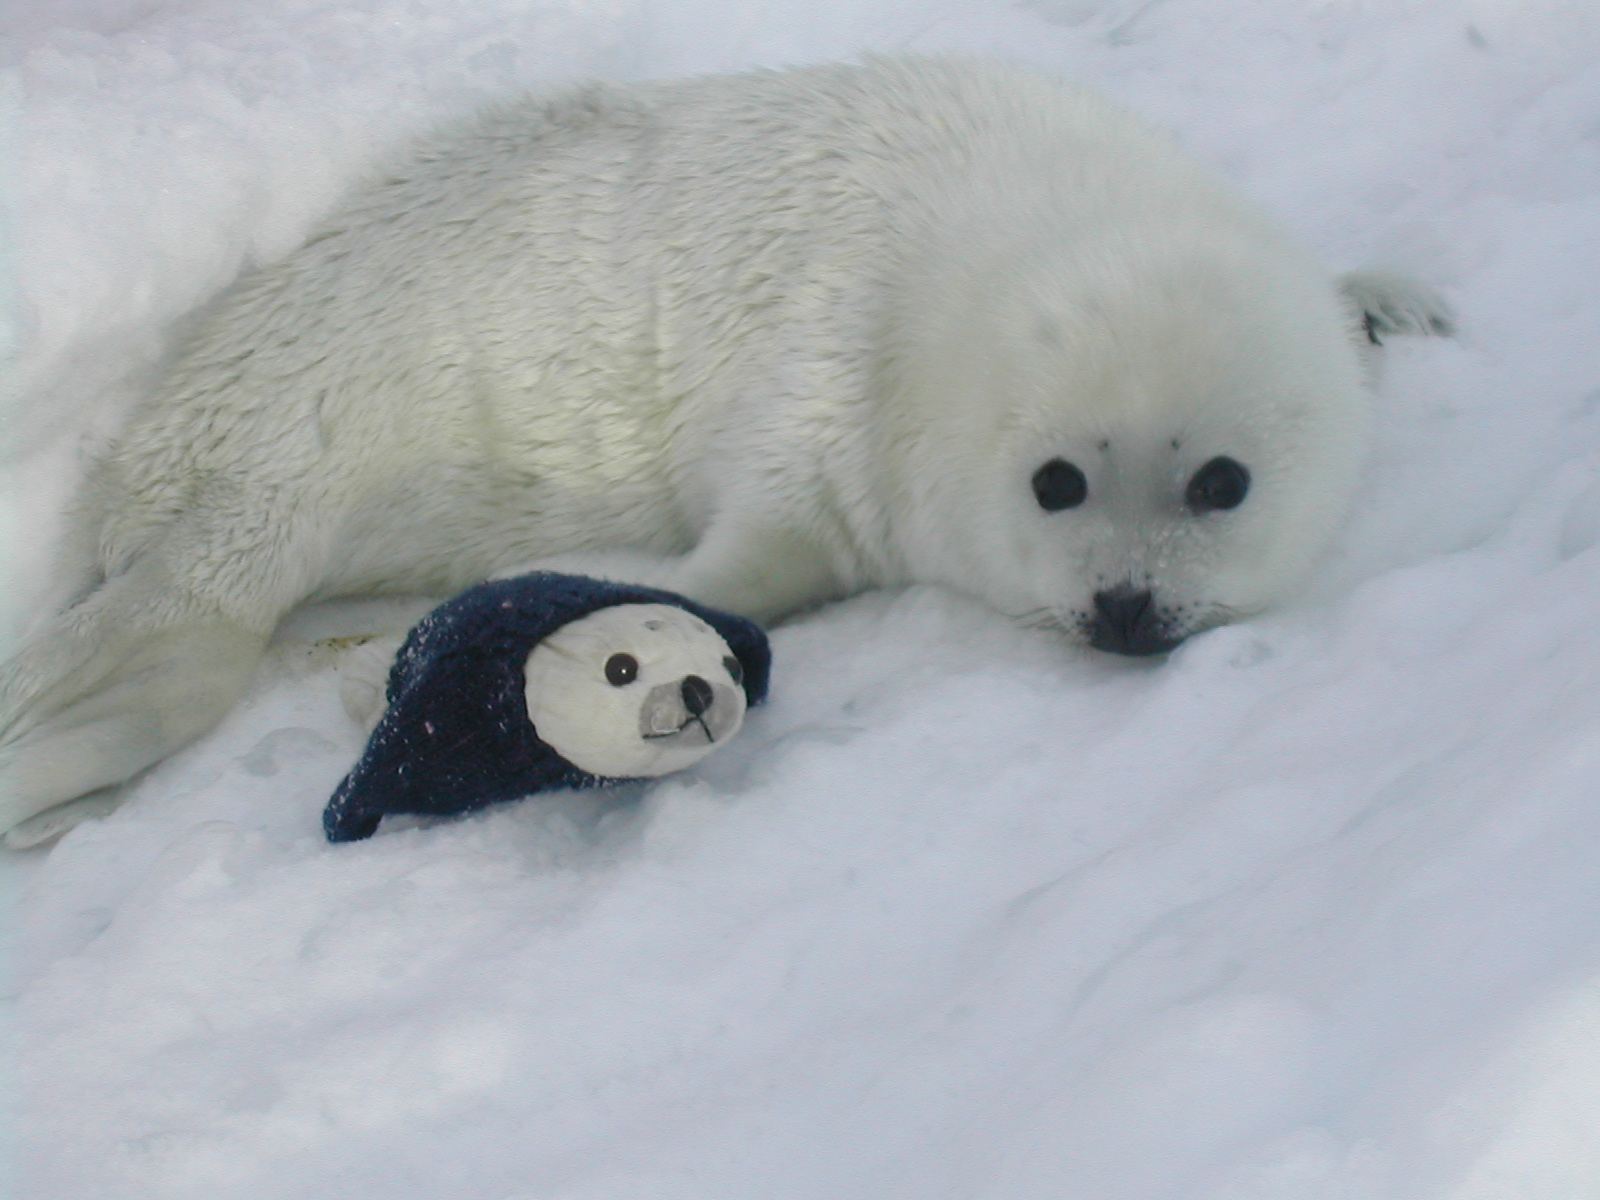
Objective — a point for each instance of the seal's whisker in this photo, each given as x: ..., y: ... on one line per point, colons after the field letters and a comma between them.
x: 1039, y: 618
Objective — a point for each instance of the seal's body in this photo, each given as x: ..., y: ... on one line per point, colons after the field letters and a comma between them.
x: 762, y: 340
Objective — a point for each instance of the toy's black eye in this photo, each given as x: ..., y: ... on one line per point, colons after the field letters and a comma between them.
x: 735, y: 670
x: 1221, y: 483
x: 1058, y: 484
x: 621, y: 669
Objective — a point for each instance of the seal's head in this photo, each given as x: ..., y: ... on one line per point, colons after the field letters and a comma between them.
x: 1154, y: 438
x: 634, y: 690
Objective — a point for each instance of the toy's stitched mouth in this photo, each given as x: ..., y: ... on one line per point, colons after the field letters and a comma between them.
x: 697, y: 719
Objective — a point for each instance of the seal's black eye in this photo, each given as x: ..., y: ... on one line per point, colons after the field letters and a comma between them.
x: 1058, y: 484
x: 621, y: 669
x: 734, y: 669
x: 1221, y: 483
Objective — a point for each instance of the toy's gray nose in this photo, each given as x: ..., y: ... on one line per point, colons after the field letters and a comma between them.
x: 690, y: 711
x: 697, y: 695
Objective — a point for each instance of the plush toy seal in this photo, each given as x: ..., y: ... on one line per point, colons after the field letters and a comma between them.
x: 549, y: 681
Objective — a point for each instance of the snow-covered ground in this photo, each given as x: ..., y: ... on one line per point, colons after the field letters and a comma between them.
x: 1309, y: 912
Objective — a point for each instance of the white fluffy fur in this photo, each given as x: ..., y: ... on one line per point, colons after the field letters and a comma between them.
x: 774, y: 337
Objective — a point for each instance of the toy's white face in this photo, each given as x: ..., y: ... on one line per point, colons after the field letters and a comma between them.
x: 634, y: 690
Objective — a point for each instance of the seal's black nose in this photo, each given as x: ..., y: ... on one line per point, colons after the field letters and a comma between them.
x: 696, y: 694
x: 1126, y: 622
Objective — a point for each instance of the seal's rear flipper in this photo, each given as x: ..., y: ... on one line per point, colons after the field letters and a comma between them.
x: 128, y: 696
x: 54, y: 822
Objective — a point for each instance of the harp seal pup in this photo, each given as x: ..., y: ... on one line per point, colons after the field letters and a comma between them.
x: 764, y: 340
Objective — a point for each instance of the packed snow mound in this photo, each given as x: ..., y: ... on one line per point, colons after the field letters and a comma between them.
x: 1308, y: 911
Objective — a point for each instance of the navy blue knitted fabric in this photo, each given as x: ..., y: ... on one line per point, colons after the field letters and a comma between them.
x: 456, y: 735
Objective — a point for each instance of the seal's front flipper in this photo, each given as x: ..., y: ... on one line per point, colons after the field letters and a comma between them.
x: 1383, y: 305
x: 1386, y: 305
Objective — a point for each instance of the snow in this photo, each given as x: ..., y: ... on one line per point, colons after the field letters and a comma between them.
x: 1311, y: 911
